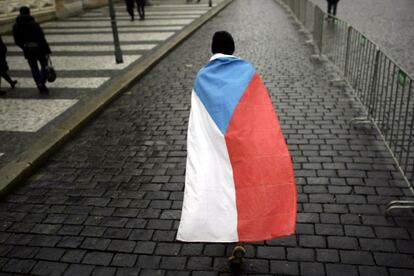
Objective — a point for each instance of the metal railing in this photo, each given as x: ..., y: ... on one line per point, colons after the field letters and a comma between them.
x: 383, y: 88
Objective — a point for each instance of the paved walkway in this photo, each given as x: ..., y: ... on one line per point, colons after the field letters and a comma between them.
x: 109, y: 202
x: 83, y: 55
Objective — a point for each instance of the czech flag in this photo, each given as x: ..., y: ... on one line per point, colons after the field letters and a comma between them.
x: 239, y: 183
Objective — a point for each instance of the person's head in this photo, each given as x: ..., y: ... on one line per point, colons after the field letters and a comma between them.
x: 24, y: 10
x: 223, y: 43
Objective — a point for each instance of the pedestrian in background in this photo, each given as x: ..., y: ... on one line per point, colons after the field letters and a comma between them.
x: 332, y: 5
x: 141, y: 9
x: 29, y: 36
x: 130, y: 8
x: 4, y: 67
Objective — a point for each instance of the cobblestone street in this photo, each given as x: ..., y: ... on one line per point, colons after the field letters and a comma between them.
x: 109, y: 202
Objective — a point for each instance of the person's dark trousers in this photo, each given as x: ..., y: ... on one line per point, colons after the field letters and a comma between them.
x: 39, y: 76
x: 141, y: 8
x: 130, y: 8
x: 332, y: 7
x: 6, y: 76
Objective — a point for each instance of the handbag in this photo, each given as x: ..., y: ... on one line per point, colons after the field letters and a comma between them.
x: 50, y: 71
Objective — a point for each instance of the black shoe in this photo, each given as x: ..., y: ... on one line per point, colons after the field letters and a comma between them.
x: 43, y: 89
x: 13, y: 84
x: 2, y: 93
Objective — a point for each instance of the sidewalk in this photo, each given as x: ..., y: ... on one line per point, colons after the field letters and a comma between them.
x: 83, y: 55
x: 109, y: 202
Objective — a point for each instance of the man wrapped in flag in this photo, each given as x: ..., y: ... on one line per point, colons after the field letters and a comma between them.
x: 239, y: 183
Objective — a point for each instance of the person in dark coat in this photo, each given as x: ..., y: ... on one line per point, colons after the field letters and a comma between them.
x: 141, y: 9
x: 4, y: 67
x: 332, y: 4
x: 130, y: 8
x: 29, y: 36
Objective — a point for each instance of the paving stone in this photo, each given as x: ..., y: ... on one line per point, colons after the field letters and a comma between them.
x: 124, y: 260
x: 377, y: 245
x: 95, y: 244
x: 191, y: 249
x: 372, y: 271
x: 25, y: 252
x: 122, y: 246
x: 284, y: 268
x: 167, y: 249
x: 73, y: 256
x: 391, y: 233
x: 18, y: 266
x: 300, y: 254
x: 145, y: 247
x: 271, y: 252
x: 50, y: 254
x: 400, y: 272
x: 394, y: 260
x: 49, y: 268
x: 341, y: 270
x: 98, y: 258
x: 174, y: 263
x: 356, y: 257
x: 359, y: 231
x: 145, y: 261
x: 342, y: 242
x: 312, y: 269
x: 104, y: 271
x: 70, y: 242
x: 141, y: 235
x: 312, y: 241
x: 199, y: 263
x: 78, y: 270
x: 327, y: 255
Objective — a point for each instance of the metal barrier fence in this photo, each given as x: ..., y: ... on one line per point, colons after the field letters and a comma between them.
x: 384, y: 88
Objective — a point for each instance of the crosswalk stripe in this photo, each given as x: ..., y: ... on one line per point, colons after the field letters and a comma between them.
x: 127, y: 17
x: 149, y: 13
x: 158, y: 22
x: 76, y: 83
x: 66, y: 63
x: 160, y: 12
x: 108, y: 29
x: 29, y: 115
x: 90, y: 48
x: 103, y: 37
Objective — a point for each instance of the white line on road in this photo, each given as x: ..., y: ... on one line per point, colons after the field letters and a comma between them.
x: 66, y: 63
x: 64, y: 82
x: 107, y: 37
x: 90, y: 48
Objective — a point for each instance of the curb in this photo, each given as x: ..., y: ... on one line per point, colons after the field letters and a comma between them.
x: 27, y: 162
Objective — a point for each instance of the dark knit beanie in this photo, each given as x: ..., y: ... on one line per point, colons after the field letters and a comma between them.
x: 24, y: 10
x: 223, y: 43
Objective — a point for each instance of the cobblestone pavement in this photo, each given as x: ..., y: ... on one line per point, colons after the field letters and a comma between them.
x: 83, y: 55
x: 109, y: 202
x: 389, y: 23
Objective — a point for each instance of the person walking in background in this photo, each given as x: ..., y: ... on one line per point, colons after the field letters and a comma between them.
x: 141, y: 9
x: 332, y: 5
x: 29, y: 36
x: 4, y: 67
x: 130, y: 8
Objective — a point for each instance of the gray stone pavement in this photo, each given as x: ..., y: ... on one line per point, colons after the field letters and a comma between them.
x: 109, y: 202
x: 389, y: 23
